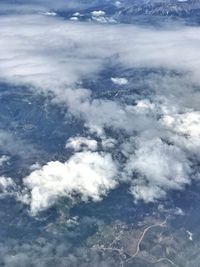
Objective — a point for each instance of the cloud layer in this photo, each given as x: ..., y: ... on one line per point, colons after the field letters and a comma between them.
x: 161, y: 133
x: 50, y: 53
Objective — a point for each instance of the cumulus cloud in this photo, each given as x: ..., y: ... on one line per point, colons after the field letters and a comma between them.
x: 87, y: 174
x: 119, y: 81
x: 80, y: 143
x: 100, y: 16
x: 185, y: 124
x: 74, y: 18
x: 160, y: 167
x: 98, y: 13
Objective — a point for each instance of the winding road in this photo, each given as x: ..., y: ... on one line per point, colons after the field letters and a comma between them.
x: 162, y: 224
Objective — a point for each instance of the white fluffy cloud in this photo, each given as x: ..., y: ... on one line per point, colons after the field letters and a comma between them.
x: 186, y: 124
x: 89, y: 174
x: 119, y: 81
x: 80, y: 143
x: 98, y: 13
x: 160, y: 167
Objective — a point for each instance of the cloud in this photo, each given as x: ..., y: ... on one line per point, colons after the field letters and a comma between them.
x: 6, y: 183
x: 49, y: 52
x: 47, y: 66
x: 119, y: 81
x: 12, y: 145
x: 3, y: 159
x: 100, y: 16
x: 157, y: 167
x: 47, y: 252
x: 97, y: 113
x: 80, y: 143
x: 185, y: 124
x: 7, y: 187
x: 108, y: 143
x: 98, y: 13
x: 87, y: 174
x: 49, y: 13
x: 160, y: 126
